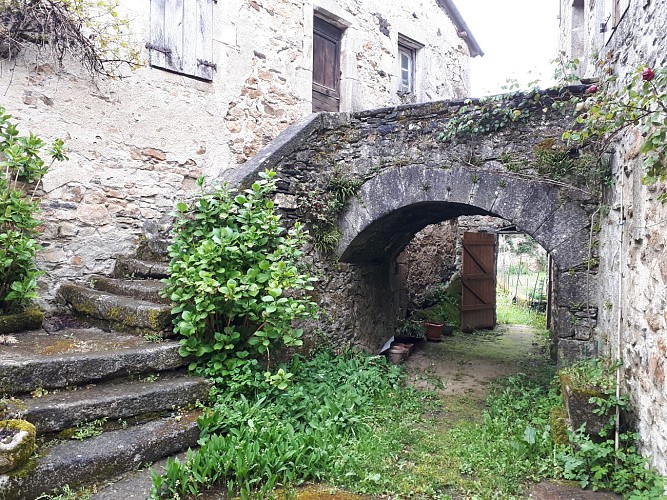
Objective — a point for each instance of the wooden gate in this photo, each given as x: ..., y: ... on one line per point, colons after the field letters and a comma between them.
x: 478, y: 276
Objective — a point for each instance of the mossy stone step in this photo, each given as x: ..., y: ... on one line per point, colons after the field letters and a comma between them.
x: 129, y: 267
x: 153, y: 394
x: 80, y: 356
x: 30, y: 319
x: 80, y: 463
x: 120, y: 311
x: 144, y: 289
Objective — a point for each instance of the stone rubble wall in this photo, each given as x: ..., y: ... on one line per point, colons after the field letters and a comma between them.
x: 137, y: 144
x: 633, y: 275
x: 429, y: 259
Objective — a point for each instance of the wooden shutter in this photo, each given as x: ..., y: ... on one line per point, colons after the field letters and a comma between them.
x: 326, y: 66
x: 478, y: 276
x: 181, y: 37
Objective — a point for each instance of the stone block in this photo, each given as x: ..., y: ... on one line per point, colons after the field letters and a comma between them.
x: 17, y: 444
x: 570, y: 350
x: 575, y: 288
x: 564, y: 322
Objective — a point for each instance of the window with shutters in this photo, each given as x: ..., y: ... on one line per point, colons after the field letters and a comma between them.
x: 181, y: 38
x: 326, y: 66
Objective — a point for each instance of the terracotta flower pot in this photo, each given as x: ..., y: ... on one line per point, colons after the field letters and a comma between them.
x: 433, y: 331
x: 397, y: 353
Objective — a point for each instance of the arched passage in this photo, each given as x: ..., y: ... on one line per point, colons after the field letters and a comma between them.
x: 392, y: 207
x: 411, y: 180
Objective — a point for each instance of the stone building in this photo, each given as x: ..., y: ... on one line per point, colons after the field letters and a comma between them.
x: 221, y: 80
x: 632, y: 289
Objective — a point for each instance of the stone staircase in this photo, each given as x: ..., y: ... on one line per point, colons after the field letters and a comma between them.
x: 108, y: 368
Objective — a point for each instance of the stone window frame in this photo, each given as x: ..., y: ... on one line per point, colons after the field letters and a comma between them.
x: 410, y: 48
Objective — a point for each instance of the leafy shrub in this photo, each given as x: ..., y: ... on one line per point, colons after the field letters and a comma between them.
x: 596, y: 461
x: 22, y: 165
x: 235, y: 280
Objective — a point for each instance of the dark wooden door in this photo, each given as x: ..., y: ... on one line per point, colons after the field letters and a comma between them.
x: 478, y: 276
x: 326, y: 66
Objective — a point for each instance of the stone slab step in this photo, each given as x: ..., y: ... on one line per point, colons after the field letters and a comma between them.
x: 144, y: 289
x: 73, y: 357
x: 122, y: 312
x: 135, y: 485
x: 129, y: 267
x: 80, y: 463
x: 113, y: 400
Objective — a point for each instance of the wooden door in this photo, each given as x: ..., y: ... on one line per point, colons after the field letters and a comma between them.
x: 478, y: 276
x: 326, y: 66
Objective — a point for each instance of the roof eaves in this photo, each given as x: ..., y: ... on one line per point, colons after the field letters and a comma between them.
x: 461, y: 26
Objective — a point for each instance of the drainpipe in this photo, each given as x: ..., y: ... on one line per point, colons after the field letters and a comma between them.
x: 617, y: 423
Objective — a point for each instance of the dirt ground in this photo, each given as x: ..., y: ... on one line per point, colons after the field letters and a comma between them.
x: 465, y: 364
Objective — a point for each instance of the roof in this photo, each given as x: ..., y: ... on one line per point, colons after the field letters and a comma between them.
x: 461, y: 26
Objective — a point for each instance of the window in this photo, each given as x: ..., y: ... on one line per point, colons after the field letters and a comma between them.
x: 181, y: 37
x: 614, y: 12
x: 406, y: 80
x: 408, y: 57
x: 326, y: 66
x: 578, y: 30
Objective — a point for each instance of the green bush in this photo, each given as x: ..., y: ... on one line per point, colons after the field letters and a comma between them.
x: 235, y: 280
x: 22, y: 165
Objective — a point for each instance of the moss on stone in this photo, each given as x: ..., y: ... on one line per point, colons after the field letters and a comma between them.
x: 559, y: 425
x: 14, y: 457
x: 30, y: 319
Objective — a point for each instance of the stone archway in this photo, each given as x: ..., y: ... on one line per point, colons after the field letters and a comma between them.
x: 410, y: 180
x: 392, y: 207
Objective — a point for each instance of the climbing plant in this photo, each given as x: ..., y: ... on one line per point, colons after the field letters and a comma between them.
x: 235, y: 280
x: 89, y: 30
x: 488, y: 114
x: 611, y: 106
x: 21, y: 169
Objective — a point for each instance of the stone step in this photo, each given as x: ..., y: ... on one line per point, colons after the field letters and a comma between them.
x: 129, y: 267
x: 145, y: 289
x: 80, y: 463
x: 136, y: 485
x: 73, y: 357
x: 121, y: 312
x: 113, y: 400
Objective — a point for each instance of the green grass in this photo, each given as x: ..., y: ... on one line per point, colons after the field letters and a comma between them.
x: 508, y: 313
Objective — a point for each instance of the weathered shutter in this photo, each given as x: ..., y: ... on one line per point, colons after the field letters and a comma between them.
x: 181, y: 37
x: 326, y: 66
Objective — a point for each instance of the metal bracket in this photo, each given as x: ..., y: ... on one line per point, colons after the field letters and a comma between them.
x: 208, y: 64
x: 164, y: 50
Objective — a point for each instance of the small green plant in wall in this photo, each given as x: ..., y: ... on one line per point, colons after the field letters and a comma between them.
x: 320, y: 209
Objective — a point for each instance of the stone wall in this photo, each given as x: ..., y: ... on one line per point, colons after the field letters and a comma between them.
x: 430, y: 258
x: 633, y: 272
x: 137, y: 144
